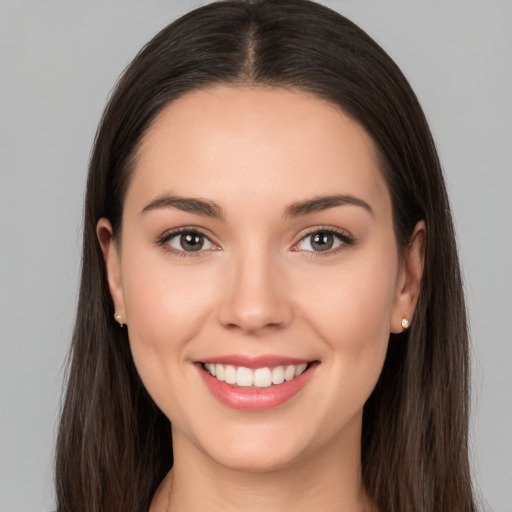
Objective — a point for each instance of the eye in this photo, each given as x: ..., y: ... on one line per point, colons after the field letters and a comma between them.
x: 188, y: 242
x: 323, y: 241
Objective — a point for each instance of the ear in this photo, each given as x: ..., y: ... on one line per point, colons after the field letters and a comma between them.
x: 409, y: 279
x: 113, y: 267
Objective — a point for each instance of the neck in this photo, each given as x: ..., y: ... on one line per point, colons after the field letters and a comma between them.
x: 329, y: 481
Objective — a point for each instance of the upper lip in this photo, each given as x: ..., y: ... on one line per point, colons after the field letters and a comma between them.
x: 253, y: 362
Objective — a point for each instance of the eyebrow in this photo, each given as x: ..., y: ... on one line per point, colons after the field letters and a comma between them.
x: 186, y: 204
x: 323, y: 203
x: 211, y: 209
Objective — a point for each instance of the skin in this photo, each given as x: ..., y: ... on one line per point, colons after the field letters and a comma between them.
x: 259, y: 287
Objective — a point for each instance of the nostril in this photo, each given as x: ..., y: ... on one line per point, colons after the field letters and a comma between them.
x: 254, y: 327
x: 254, y: 297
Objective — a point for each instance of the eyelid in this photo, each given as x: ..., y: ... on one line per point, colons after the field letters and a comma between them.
x: 347, y: 240
x: 168, y: 235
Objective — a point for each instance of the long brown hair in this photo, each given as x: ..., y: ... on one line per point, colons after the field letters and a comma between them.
x: 114, y: 444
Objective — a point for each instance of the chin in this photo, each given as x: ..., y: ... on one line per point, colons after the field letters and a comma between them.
x: 253, y: 449
x: 258, y: 460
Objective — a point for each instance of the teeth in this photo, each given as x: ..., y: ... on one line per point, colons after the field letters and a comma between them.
x: 244, y: 376
x: 219, y: 372
x: 278, y: 375
x: 259, y: 378
x: 230, y: 375
x: 300, y: 369
x: 289, y: 373
x: 263, y: 377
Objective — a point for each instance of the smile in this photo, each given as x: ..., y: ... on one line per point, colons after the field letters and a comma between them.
x: 255, y: 384
x: 264, y: 377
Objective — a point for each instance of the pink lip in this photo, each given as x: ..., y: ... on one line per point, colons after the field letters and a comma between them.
x: 255, y: 399
x: 254, y: 362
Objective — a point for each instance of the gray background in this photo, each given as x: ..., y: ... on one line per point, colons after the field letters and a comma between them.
x: 58, y: 62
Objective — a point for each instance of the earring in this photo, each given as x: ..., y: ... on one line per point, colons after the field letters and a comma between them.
x: 118, y: 319
x: 405, y: 324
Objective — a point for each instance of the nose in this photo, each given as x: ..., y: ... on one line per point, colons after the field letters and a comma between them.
x: 255, y: 296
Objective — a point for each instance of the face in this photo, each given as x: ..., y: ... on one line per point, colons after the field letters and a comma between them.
x: 257, y: 245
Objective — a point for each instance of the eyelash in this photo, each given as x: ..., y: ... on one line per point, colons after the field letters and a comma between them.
x: 166, y: 237
x: 346, y: 240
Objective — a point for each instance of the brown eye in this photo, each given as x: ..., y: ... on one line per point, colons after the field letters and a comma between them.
x: 322, y: 241
x: 189, y: 241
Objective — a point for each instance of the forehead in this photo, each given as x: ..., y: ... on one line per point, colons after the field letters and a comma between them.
x: 255, y: 143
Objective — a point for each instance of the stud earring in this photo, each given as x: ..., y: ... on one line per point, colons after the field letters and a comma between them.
x: 119, y: 320
x: 405, y: 324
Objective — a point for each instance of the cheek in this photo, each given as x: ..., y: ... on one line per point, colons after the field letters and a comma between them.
x: 351, y: 312
x: 357, y: 297
x: 161, y: 295
x: 166, y: 305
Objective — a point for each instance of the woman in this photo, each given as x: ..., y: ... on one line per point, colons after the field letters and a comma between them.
x: 271, y: 314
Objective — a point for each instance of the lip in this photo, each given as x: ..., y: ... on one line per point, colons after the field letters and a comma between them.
x: 256, y: 399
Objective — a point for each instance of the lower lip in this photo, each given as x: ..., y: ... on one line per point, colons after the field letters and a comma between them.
x: 255, y: 399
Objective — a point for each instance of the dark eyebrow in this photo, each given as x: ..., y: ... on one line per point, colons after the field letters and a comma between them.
x: 186, y: 204
x: 318, y: 204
